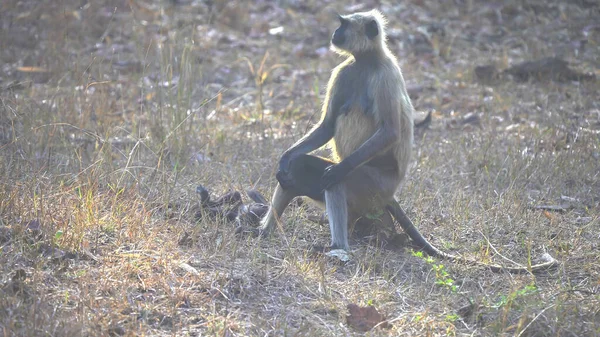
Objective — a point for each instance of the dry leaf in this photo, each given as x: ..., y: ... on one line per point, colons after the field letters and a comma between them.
x: 548, y: 215
x: 365, y: 318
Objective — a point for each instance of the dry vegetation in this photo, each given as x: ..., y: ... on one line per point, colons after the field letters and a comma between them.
x: 111, y: 110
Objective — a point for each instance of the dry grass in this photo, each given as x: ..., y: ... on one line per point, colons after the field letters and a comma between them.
x: 134, y: 103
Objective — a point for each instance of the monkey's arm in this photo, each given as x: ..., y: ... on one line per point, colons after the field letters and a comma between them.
x: 318, y: 136
x: 379, y: 142
x: 311, y: 141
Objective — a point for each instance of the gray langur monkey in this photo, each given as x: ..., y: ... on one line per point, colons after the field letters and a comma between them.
x: 367, y: 119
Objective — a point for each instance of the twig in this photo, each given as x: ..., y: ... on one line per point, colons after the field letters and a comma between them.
x: 497, y: 252
x: 533, y: 320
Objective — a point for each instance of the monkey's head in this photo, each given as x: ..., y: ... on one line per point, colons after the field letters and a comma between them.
x: 359, y: 33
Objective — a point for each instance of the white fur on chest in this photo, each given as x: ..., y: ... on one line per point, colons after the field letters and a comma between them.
x: 347, y: 139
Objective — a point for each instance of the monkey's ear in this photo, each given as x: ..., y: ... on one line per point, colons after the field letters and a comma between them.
x: 372, y: 29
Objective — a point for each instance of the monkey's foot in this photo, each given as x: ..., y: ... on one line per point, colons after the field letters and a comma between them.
x: 334, y: 252
x: 340, y: 254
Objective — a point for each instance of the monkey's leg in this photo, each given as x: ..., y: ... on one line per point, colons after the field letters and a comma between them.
x: 306, y: 172
x: 337, y: 210
x: 281, y: 199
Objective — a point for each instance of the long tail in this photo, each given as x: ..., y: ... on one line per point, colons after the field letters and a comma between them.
x: 410, y: 229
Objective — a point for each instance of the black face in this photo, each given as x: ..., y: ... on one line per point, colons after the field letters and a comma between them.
x: 339, y: 36
x: 371, y: 29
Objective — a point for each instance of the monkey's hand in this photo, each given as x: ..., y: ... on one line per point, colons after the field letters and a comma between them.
x: 333, y: 175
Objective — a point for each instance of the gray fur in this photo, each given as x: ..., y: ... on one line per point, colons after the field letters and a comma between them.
x: 367, y: 121
x: 337, y: 209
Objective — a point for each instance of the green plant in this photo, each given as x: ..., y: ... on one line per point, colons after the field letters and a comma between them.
x: 442, y: 278
x: 452, y: 317
x: 507, y: 300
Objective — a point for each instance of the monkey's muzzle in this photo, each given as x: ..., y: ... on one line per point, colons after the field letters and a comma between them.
x: 338, y: 38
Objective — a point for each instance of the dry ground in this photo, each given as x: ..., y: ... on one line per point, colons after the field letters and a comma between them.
x: 110, y: 110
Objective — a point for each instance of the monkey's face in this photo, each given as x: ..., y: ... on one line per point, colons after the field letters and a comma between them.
x: 339, y: 36
x: 357, y: 33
